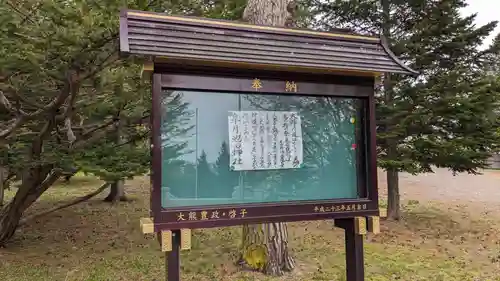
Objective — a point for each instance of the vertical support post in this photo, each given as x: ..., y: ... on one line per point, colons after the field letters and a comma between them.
x: 173, y: 259
x: 355, y: 267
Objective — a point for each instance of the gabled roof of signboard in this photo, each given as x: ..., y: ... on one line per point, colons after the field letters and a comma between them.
x: 219, y: 42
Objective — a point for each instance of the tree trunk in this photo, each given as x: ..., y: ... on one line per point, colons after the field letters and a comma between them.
x: 117, y: 192
x: 3, y: 176
x: 10, y: 215
x: 265, y: 247
x: 2, y: 194
x: 34, y: 183
x: 35, y: 180
x: 393, y: 204
x: 269, y: 12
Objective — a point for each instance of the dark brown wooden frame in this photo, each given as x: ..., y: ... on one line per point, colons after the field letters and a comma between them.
x: 221, y: 80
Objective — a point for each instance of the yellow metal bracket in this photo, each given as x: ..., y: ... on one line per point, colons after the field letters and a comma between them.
x: 185, y: 239
x: 147, y: 69
x: 147, y: 225
x: 374, y: 224
x: 166, y: 241
x: 360, y: 225
x: 166, y: 236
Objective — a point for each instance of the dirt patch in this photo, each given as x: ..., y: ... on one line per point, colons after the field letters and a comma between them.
x: 443, y: 186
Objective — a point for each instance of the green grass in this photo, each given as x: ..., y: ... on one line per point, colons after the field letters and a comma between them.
x: 97, y: 241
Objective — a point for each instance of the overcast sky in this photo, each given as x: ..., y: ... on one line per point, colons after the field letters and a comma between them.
x: 487, y: 10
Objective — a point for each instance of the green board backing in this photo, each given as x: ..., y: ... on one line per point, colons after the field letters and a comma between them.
x: 195, y: 150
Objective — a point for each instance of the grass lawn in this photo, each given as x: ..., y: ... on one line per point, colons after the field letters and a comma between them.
x: 97, y: 241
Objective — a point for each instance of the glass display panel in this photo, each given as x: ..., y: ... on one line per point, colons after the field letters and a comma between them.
x: 233, y: 148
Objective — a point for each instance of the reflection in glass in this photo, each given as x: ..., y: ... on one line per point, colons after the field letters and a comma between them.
x: 195, y: 150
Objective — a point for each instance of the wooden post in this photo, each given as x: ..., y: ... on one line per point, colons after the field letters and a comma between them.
x: 172, y: 258
x: 355, y: 268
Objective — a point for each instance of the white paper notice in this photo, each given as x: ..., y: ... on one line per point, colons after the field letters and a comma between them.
x: 265, y: 140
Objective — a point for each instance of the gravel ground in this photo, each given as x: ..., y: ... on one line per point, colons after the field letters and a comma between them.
x: 443, y: 186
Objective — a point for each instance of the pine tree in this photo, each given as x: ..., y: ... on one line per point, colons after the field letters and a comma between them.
x: 175, y: 127
x: 205, y: 178
x: 226, y: 179
x: 492, y: 59
x: 64, y: 92
x: 444, y: 118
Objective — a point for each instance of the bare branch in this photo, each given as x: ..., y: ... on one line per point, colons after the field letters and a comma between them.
x: 50, y: 179
x: 74, y: 90
x: 14, y: 93
x: 106, y: 129
x: 106, y: 124
x: 25, y: 101
x: 32, y: 12
x: 13, y: 126
x: 108, y: 61
x: 20, y: 12
x: 81, y: 119
x: 135, y: 138
x: 66, y: 205
x: 6, y: 103
x: 63, y: 95
x: 69, y: 132
x: 67, y: 90
x: 32, y: 194
x: 37, y: 144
